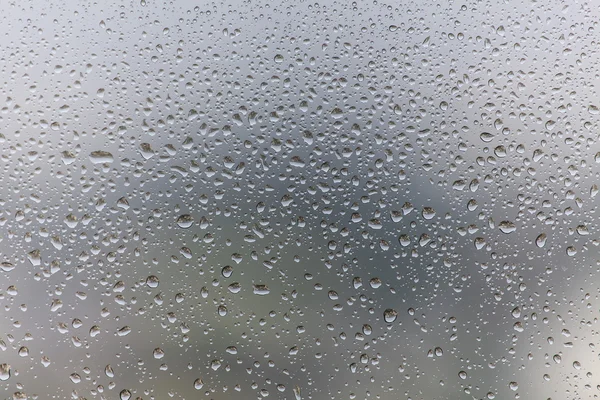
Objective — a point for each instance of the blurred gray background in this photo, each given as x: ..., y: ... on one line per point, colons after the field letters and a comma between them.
x: 285, y: 173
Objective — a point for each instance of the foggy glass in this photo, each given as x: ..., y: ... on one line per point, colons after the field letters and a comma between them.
x: 299, y: 200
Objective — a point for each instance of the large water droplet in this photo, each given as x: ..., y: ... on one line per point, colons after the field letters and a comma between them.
x: 185, y: 221
x: 4, y: 372
x: 101, y: 157
x: 390, y: 315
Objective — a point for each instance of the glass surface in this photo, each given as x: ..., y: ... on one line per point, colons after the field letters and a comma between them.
x: 299, y: 200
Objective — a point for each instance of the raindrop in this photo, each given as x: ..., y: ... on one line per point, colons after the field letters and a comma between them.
x: 486, y: 137
x: 101, y: 157
x: 540, y: 241
x: 158, y: 353
x: 390, y: 315
x: 4, y: 372
x: 428, y: 212
x: 152, y: 281
x: 507, y: 227
x: 185, y: 221
x: 23, y: 351
x: 261, y: 290
x: 6, y: 266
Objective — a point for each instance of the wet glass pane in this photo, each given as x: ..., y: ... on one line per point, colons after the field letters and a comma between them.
x: 299, y: 200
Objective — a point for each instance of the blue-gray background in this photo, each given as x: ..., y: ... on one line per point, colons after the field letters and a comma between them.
x: 352, y: 157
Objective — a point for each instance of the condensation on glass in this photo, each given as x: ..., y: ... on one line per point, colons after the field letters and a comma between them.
x: 299, y: 200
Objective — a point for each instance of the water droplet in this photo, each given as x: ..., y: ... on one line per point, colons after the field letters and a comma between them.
x: 507, y: 227
x: 235, y: 287
x: 227, y: 271
x: 124, y: 331
x: 146, y: 151
x: 152, y: 281
x: 185, y: 221
x: 479, y: 243
x: 390, y: 315
x: 6, y: 266
x: 215, y: 364
x: 222, y: 310
x: 486, y: 137
x: 158, y: 353
x: 94, y: 331
x: 297, y: 393
x: 101, y: 157
x: 35, y: 258
x: 540, y: 241
x: 75, y: 378
x: 261, y: 290
x: 4, y: 372
x: 428, y: 213
x: 557, y: 358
